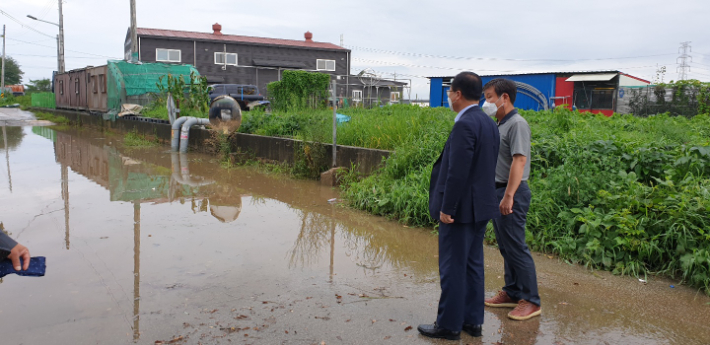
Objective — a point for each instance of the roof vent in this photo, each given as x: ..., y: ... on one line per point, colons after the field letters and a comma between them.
x: 217, y: 29
x: 309, y: 36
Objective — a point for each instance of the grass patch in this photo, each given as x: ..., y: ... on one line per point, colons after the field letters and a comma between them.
x: 59, y: 120
x: 133, y: 139
x: 24, y: 101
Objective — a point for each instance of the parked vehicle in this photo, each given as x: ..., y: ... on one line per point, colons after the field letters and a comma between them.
x: 247, y: 96
x: 17, y: 90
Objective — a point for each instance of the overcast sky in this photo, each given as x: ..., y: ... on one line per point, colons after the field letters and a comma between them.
x: 413, y: 38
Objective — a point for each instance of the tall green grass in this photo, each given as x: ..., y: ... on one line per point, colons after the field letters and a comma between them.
x: 625, y: 194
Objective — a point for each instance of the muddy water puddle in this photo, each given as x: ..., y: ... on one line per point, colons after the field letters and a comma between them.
x: 145, y: 246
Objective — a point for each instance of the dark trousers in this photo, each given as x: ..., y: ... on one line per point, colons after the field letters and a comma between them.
x: 461, y: 273
x: 520, y: 276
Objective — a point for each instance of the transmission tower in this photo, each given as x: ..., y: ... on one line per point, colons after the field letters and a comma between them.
x: 684, y: 59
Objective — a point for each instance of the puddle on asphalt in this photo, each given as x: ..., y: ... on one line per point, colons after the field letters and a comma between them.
x: 145, y: 245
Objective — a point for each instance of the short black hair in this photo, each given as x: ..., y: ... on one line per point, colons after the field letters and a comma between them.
x: 469, y: 84
x: 501, y: 86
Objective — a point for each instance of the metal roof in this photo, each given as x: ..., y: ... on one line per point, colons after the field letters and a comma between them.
x: 592, y: 77
x: 204, y: 36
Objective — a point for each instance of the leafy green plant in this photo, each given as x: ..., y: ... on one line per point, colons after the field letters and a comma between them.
x: 191, y: 95
x: 299, y: 90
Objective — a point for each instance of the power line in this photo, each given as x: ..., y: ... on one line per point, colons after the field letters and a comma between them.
x: 707, y: 75
x: 54, y: 56
x: 391, y: 52
x: 23, y: 25
x: 33, y: 42
x: 47, y: 8
x: 73, y: 51
x: 380, y: 62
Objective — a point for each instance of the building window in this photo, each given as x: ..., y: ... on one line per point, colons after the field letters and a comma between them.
x: 394, y: 97
x: 357, y: 95
x: 167, y: 55
x: 603, y: 99
x: 102, y: 83
x: 231, y: 58
x: 94, y: 84
x: 61, y: 87
x: 325, y: 65
x: 76, y: 85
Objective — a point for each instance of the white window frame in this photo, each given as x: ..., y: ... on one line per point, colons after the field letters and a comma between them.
x: 357, y: 98
x: 392, y: 99
x: 168, y: 51
x: 236, y: 58
x: 325, y: 65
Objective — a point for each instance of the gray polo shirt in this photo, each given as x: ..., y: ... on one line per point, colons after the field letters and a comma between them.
x: 514, y: 139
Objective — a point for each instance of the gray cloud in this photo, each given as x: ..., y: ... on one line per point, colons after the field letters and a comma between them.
x: 571, y: 30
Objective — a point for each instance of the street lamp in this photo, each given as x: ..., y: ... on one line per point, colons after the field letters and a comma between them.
x: 60, y: 38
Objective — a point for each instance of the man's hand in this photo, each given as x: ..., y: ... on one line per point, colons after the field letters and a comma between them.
x: 18, y: 252
x: 506, y: 205
x: 445, y: 218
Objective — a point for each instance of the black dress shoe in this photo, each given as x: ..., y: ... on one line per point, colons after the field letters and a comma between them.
x: 473, y: 330
x: 433, y: 331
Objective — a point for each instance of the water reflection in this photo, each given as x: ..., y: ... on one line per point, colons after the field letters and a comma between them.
x: 136, y: 269
x: 11, y: 137
x: 153, y: 176
x: 134, y: 179
x: 138, y: 181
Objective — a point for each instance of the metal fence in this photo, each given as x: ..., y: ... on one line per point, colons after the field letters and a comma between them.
x: 43, y: 100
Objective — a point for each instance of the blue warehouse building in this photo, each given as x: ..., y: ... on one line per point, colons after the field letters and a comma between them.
x: 590, y: 91
x: 534, y: 90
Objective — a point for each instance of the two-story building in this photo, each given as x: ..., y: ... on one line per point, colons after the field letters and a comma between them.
x: 236, y: 59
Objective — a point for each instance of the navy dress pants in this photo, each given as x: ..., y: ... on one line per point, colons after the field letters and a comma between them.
x: 520, y: 276
x: 461, y: 273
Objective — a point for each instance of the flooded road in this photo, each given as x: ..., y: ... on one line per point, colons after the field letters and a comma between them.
x: 145, y: 246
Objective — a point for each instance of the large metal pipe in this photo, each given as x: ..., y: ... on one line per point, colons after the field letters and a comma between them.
x: 175, y: 143
x: 185, y: 133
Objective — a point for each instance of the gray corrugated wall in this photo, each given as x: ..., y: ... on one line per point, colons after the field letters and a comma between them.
x: 246, y: 54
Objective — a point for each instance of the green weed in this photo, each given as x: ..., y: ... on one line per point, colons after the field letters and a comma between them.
x: 133, y: 139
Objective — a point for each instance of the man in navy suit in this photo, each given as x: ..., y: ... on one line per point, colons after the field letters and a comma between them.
x: 462, y: 198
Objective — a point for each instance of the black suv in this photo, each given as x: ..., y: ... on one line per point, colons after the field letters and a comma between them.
x: 247, y: 96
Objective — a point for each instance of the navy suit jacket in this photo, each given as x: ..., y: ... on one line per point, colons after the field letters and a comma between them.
x: 463, y: 178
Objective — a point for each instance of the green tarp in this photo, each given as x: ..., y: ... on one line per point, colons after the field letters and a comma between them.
x: 132, y: 83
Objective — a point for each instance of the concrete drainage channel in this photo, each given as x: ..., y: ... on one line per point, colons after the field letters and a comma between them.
x: 267, y: 148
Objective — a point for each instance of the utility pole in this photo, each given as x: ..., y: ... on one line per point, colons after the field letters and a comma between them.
x: 2, y: 80
x: 684, y: 58
x: 335, y: 120
x: 61, y: 39
x: 59, y: 59
x: 134, y: 34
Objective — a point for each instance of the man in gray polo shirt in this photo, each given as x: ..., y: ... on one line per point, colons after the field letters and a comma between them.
x: 512, y: 171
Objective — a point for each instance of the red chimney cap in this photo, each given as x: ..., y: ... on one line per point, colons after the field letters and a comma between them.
x: 309, y: 36
x: 217, y: 29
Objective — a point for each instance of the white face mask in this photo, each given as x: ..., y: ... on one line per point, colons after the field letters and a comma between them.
x: 490, y: 108
x: 451, y: 106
